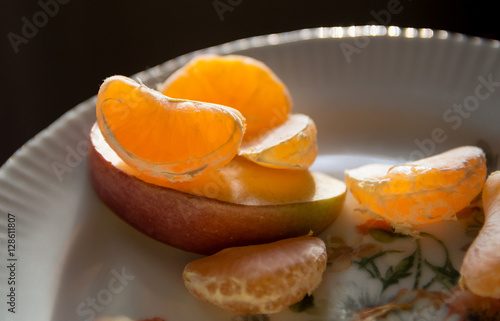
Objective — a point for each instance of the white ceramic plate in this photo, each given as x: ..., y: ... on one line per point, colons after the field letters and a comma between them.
x: 376, y: 94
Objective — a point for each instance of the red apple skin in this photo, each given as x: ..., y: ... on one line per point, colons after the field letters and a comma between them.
x: 199, y: 224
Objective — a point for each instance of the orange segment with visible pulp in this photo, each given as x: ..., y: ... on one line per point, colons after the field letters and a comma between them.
x: 424, y: 191
x: 481, y: 266
x: 292, y: 144
x: 164, y: 137
x: 262, y: 278
x: 240, y: 82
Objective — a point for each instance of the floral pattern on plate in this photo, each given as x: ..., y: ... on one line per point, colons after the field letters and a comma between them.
x: 381, y: 274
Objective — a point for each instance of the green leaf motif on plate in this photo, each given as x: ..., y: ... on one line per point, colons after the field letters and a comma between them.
x: 413, y: 264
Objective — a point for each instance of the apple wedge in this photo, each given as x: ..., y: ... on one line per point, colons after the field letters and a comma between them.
x: 241, y: 203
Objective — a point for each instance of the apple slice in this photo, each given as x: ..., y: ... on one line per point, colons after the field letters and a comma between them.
x: 241, y: 203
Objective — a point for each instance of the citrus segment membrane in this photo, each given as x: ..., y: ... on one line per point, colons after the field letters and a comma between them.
x: 292, y: 144
x: 264, y: 278
x: 481, y: 265
x: 420, y: 192
x: 163, y: 137
x: 241, y: 82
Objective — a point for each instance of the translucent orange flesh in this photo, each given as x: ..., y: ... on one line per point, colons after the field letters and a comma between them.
x: 240, y: 181
x: 259, y: 278
x: 481, y: 266
x: 164, y: 137
x: 292, y: 144
x: 240, y: 82
x: 420, y: 192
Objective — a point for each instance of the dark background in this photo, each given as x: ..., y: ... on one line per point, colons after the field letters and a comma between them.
x: 64, y: 60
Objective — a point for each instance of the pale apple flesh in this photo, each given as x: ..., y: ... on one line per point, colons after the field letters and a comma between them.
x: 204, y: 225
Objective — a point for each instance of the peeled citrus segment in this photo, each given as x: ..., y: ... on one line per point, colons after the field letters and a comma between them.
x: 481, y: 265
x: 255, y: 279
x: 241, y: 82
x: 292, y: 144
x: 164, y: 137
x: 424, y: 191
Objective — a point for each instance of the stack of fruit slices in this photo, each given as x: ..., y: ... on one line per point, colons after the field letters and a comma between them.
x: 183, y: 167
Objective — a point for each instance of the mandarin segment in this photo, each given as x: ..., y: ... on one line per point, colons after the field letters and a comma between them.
x: 164, y: 137
x: 241, y: 82
x: 420, y: 192
x: 254, y: 279
x: 292, y: 144
x: 481, y: 265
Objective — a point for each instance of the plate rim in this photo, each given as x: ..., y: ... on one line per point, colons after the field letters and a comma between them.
x: 83, y: 109
x: 339, y: 32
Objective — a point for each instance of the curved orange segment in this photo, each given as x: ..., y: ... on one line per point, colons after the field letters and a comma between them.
x: 240, y: 82
x: 481, y: 265
x: 264, y: 278
x: 292, y: 144
x: 420, y: 192
x: 164, y: 137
